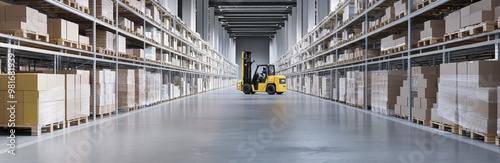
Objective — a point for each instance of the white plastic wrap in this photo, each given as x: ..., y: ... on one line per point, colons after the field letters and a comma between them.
x: 385, y: 87
x: 105, y: 92
x: 342, y: 89
x: 140, y: 87
x: 480, y: 113
x: 126, y: 88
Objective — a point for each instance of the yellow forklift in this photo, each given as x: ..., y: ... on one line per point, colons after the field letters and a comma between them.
x: 265, y: 81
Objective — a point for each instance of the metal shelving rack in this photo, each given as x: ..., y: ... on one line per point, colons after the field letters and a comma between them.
x: 49, y: 55
x: 477, y: 47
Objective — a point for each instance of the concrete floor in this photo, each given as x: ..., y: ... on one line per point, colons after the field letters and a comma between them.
x: 226, y: 126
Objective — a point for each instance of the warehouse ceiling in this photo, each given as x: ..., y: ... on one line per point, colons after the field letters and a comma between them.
x: 252, y: 17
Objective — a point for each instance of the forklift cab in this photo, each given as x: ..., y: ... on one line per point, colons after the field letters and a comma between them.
x: 260, y: 75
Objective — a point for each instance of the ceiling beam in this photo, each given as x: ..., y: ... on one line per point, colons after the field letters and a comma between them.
x: 253, y: 13
x: 215, y: 4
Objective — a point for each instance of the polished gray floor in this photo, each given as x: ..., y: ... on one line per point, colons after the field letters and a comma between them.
x: 226, y: 126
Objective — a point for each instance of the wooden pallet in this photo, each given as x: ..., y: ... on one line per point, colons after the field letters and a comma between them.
x: 394, y: 50
x: 129, y: 108
x: 105, y: 51
x: 126, y: 2
x: 124, y: 55
x: 64, y: 42
x: 84, y: 9
x: 421, y: 121
x: 85, y: 47
x: 37, y: 129
x: 424, y: 3
x: 429, y: 41
x: 105, y: 19
x: 76, y: 121
x: 401, y: 15
x: 445, y: 127
x: 477, y: 29
x: 26, y: 34
x: 400, y: 116
x: 102, y: 115
x: 477, y: 135
x: 451, y: 36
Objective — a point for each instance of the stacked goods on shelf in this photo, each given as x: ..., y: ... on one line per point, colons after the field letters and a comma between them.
x: 351, y: 88
x: 164, y: 88
x: 175, y: 89
x: 104, y: 10
x: 150, y: 53
x: 138, y: 4
x: 433, y: 32
x: 361, y: 89
x: 425, y: 82
x: 396, y: 43
x: 40, y: 100
x: 104, y: 39
x: 122, y: 44
x: 384, y: 90
x: 389, y: 15
x: 342, y: 89
x: 326, y: 87
x: 139, y: 53
x: 140, y: 87
x: 61, y: 30
x: 452, y: 22
x: 446, y: 107
x: 77, y: 93
x: 153, y: 34
x: 477, y: 103
x: 83, y: 3
x: 348, y: 12
x: 126, y: 24
x: 478, y: 12
x: 17, y: 17
x: 315, y: 85
x: 359, y: 6
x: 105, y: 92
x: 334, y: 4
x: 153, y: 13
x: 126, y: 88
x: 166, y: 39
x: 153, y: 90
x: 401, y: 8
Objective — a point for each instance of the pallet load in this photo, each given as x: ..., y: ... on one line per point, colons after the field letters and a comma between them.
x: 361, y: 90
x: 105, y: 94
x: 77, y: 96
x: 315, y: 85
x: 342, y: 89
x: 126, y: 89
x: 351, y: 88
x: 40, y: 101
x: 433, y: 32
x: 122, y: 44
x: 139, y: 53
x: 104, y: 41
x: 63, y: 32
x: 104, y: 10
x: 326, y: 87
x: 150, y: 53
x: 424, y: 89
x: 447, y: 95
x: 477, y: 103
x: 175, y: 89
x: 140, y: 87
x: 384, y: 90
x: 23, y: 22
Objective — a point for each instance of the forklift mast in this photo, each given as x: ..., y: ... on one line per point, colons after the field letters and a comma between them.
x: 246, y: 67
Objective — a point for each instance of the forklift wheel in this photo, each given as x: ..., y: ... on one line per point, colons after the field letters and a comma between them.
x: 270, y: 89
x: 279, y: 93
x: 247, y: 89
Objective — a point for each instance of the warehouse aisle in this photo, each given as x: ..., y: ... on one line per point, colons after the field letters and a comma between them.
x: 228, y: 126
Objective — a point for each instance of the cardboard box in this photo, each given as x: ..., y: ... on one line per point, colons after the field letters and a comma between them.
x: 487, y: 5
x: 465, y: 21
x: 427, y: 103
x: 20, y: 11
x: 72, y: 31
x: 416, y: 102
x: 483, y: 74
x: 465, y: 12
x: 497, y: 12
x: 452, y: 22
x: 427, y: 92
x: 83, y: 40
x: 481, y: 16
x: 57, y: 28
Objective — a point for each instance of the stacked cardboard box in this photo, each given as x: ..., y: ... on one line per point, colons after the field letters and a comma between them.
x: 432, y: 29
x: 126, y: 23
x: 352, y: 93
x: 104, y: 8
x: 104, y: 39
x: 447, y: 94
x: 342, y: 89
x: 385, y: 89
x: 389, y: 14
x: 153, y: 90
x: 150, y: 53
x: 424, y: 84
x: 401, y: 7
x: 126, y: 88
x: 136, y: 52
x: 140, y: 87
x: 138, y: 4
x: 83, y: 3
x: 105, y: 94
x: 348, y: 12
x: 452, y: 22
x: 22, y: 17
x: 315, y: 85
x: 326, y: 87
x: 361, y: 89
x: 77, y: 93
x: 477, y: 104
x: 154, y: 13
x: 122, y: 44
x: 40, y: 100
x: 478, y: 12
x: 63, y: 29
